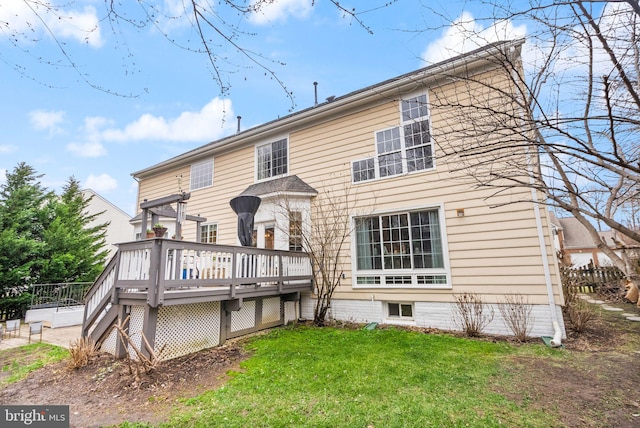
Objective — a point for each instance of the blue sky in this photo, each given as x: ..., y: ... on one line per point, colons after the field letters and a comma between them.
x: 101, y: 104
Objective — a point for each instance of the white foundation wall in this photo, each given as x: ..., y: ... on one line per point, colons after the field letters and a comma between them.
x: 432, y: 315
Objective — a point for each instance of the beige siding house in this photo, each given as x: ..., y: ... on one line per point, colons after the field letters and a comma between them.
x: 421, y: 233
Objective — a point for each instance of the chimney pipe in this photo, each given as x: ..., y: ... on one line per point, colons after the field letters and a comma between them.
x: 315, y: 90
x: 239, y: 117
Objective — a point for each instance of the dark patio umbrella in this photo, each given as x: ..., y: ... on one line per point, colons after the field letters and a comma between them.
x: 245, y: 207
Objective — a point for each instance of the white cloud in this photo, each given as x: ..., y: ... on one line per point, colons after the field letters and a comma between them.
x: 102, y: 183
x: 279, y: 10
x: 53, y: 20
x: 47, y: 120
x: 3, y: 176
x: 7, y: 149
x: 189, y: 126
x: 87, y: 150
x: 465, y: 34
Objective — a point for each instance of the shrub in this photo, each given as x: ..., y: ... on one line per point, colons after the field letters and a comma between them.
x: 580, y: 314
x: 81, y: 351
x: 516, y: 313
x: 469, y: 314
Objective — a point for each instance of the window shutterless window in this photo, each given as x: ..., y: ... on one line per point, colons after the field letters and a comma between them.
x: 295, y: 231
x: 201, y: 174
x: 272, y: 159
x: 209, y: 233
x: 400, y: 249
x: 400, y: 310
x: 405, y: 148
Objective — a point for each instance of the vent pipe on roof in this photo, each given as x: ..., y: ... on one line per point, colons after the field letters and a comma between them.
x: 239, y: 117
x: 315, y: 90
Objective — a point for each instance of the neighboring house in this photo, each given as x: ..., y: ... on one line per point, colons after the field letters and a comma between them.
x: 422, y: 235
x: 119, y: 228
x: 576, y: 248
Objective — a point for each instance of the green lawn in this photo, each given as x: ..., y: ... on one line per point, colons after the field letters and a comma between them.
x: 16, y: 365
x: 309, y: 377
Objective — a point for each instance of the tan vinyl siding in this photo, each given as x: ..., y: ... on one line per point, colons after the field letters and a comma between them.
x: 491, y: 251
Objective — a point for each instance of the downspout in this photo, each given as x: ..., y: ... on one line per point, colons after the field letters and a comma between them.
x: 557, y: 336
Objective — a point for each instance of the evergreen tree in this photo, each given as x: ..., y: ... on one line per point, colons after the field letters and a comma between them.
x: 25, y: 213
x: 74, y: 244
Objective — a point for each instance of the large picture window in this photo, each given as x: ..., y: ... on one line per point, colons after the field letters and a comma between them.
x: 201, y: 174
x: 272, y: 159
x: 404, y: 148
x: 400, y: 249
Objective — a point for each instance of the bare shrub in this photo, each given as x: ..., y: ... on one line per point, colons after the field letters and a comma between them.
x: 470, y: 314
x: 580, y: 314
x: 516, y: 313
x: 141, y: 363
x: 81, y: 351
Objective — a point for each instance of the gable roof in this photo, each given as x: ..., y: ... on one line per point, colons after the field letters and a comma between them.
x: 362, y: 98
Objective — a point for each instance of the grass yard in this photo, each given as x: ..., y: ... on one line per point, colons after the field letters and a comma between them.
x: 17, y: 364
x: 309, y: 377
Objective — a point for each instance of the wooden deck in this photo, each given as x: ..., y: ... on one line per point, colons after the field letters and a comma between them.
x: 163, y: 272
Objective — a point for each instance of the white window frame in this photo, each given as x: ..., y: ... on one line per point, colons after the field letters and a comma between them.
x: 207, y: 225
x: 403, y: 147
x: 197, y: 175
x: 400, y: 317
x: 270, y: 144
x: 402, y: 278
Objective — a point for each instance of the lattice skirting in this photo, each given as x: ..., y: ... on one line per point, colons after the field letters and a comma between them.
x: 245, y: 318
x: 184, y: 329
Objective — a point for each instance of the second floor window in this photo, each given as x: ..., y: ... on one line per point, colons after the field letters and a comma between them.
x: 401, y: 149
x: 272, y: 159
x: 201, y: 174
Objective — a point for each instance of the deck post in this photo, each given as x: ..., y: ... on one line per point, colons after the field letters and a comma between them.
x: 121, y: 349
x: 225, y: 324
x: 258, y: 319
x: 154, y: 269
x: 114, y: 289
x: 149, y: 325
x: 280, y: 275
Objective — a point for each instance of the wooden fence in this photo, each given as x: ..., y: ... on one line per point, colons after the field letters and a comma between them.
x: 588, y: 278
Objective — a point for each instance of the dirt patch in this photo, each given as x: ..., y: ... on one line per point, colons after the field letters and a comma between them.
x: 595, y: 386
x: 103, y: 393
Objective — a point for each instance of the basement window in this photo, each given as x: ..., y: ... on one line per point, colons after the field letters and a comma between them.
x: 400, y: 310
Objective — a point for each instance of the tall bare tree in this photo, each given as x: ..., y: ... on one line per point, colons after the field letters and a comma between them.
x: 323, y: 230
x: 564, y: 119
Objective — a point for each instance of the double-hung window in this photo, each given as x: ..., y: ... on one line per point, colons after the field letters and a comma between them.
x: 272, y: 159
x: 401, y: 249
x: 295, y: 231
x: 401, y: 149
x: 201, y: 174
